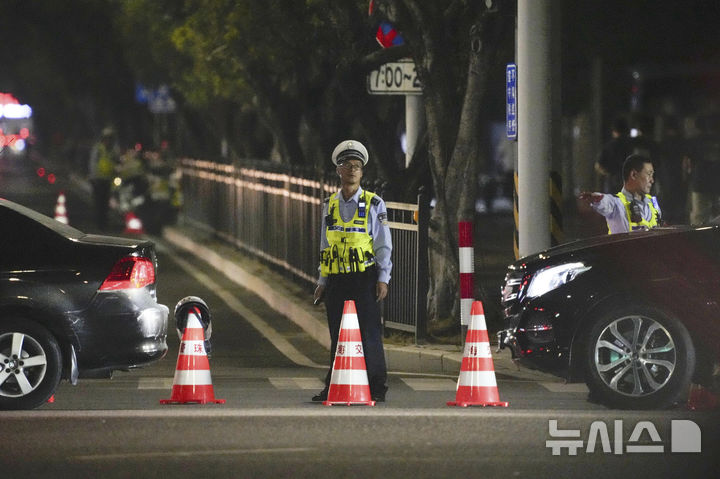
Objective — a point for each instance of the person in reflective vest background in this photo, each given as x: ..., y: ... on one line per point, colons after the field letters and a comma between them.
x: 633, y: 208
x: 355, y: 262
x: 101, y: 171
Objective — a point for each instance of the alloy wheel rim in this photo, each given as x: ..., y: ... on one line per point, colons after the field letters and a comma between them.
x: 23, y: 364
x: 635, y: 356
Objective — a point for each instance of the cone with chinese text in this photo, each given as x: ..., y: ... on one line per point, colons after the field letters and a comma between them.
x: 349, y: 381
x: 133, y: 224
x: 192, y: 382
x: 476, y: 385
x: 60, y: 209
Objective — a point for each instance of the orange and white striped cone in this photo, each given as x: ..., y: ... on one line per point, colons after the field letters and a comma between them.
x: 349, y: 381
x: 476, y: 385
x: 133, y: 224
x: 61, y: 210
x: 192, y: 382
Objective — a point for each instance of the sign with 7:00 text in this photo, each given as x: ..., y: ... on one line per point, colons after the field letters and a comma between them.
x: 396, y: 78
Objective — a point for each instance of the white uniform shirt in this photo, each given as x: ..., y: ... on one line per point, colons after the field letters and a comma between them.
x: 613, y: 209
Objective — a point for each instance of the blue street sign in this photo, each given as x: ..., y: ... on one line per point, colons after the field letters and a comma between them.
x: 511, y: 104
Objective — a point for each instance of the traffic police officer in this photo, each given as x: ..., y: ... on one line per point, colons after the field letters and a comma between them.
x: 355, y: 263
x: 633, y: 208
x: 102, y: 166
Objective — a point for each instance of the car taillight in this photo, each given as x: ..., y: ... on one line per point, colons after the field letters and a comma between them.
x: 130, y: 272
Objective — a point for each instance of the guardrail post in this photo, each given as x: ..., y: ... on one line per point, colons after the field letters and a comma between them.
x: 422, y: 268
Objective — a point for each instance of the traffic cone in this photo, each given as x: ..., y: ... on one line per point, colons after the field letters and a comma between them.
x: 192, y: 382
x: 133, y: 224
x: 349, y: 381
x: 61, y: 210
x: 476, y: 385
x: 701, y: 399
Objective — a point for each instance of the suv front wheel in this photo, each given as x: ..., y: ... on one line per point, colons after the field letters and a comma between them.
x: 639, y: 357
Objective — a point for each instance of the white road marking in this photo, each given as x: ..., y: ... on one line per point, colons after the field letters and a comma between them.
x: 193, y: 453
x: 155, y: 383
x: 430, y: 384
x: 297, y: 383
x: 311, y: 410
x: 280, y: 343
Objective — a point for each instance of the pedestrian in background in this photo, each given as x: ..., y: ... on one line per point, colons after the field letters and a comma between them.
x: 355, y: 262
x: 102, y: 169
x: 609, y: 163
x: 633, y: 208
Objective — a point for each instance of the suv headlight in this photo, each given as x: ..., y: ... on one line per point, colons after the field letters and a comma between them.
x: 550, y: 278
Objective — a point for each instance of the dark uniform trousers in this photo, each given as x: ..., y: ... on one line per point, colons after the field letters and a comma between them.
x: 361, y: 288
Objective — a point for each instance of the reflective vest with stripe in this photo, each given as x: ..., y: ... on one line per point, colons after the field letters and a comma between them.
x: 643, y: 224
x: 350, y: 247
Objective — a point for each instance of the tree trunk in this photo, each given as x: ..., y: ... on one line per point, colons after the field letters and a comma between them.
x: 453, y: 133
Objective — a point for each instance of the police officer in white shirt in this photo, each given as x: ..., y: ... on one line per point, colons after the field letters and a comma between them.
x: 633, y: 208
x: 355, y: 249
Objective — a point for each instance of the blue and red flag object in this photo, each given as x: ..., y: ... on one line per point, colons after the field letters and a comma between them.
x: 387, y: 36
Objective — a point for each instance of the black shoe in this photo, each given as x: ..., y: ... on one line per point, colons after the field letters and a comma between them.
x: 321, y: 396
x: 379, y: 395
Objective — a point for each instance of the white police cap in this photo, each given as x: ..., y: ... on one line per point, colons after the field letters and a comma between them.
x: 350, y: 149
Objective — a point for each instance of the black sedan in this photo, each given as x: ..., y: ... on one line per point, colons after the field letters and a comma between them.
x: 636, y: 315
x: 71, y: 305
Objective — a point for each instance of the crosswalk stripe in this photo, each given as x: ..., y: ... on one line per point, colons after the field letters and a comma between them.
x: 155, y: 383
x: 430, y: 384
x: 414, y: 383
x: 297, y: 383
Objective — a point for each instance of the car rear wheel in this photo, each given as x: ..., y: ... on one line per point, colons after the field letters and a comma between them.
x: 639, y: 358
x: 31, y: 364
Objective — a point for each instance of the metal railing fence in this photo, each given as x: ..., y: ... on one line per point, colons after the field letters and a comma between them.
x: 277, y: 217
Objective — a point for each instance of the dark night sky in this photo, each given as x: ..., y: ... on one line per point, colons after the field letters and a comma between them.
x: 669, y: 35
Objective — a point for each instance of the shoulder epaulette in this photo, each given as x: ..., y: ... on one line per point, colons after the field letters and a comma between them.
x: 375, y: 200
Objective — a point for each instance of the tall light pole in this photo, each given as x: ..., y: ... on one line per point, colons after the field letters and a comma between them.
x: 538, y: 121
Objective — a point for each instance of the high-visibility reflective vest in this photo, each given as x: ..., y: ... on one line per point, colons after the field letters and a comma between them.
x: 105, y: 163
x: 350, y: 247
x: 642, y: 224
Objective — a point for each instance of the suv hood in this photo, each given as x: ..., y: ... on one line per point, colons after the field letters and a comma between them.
x: 549, y: 256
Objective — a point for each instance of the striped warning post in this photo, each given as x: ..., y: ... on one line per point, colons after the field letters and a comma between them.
x: 192, y: 382
x: 349, y: 381
x: 60, y: 209
x: 467, y: 269
x: 476, y: 385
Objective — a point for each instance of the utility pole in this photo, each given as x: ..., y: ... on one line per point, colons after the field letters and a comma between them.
x: 538, y: 122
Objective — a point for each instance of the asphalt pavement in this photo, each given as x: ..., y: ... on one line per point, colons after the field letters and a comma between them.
x: 294, y: 302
